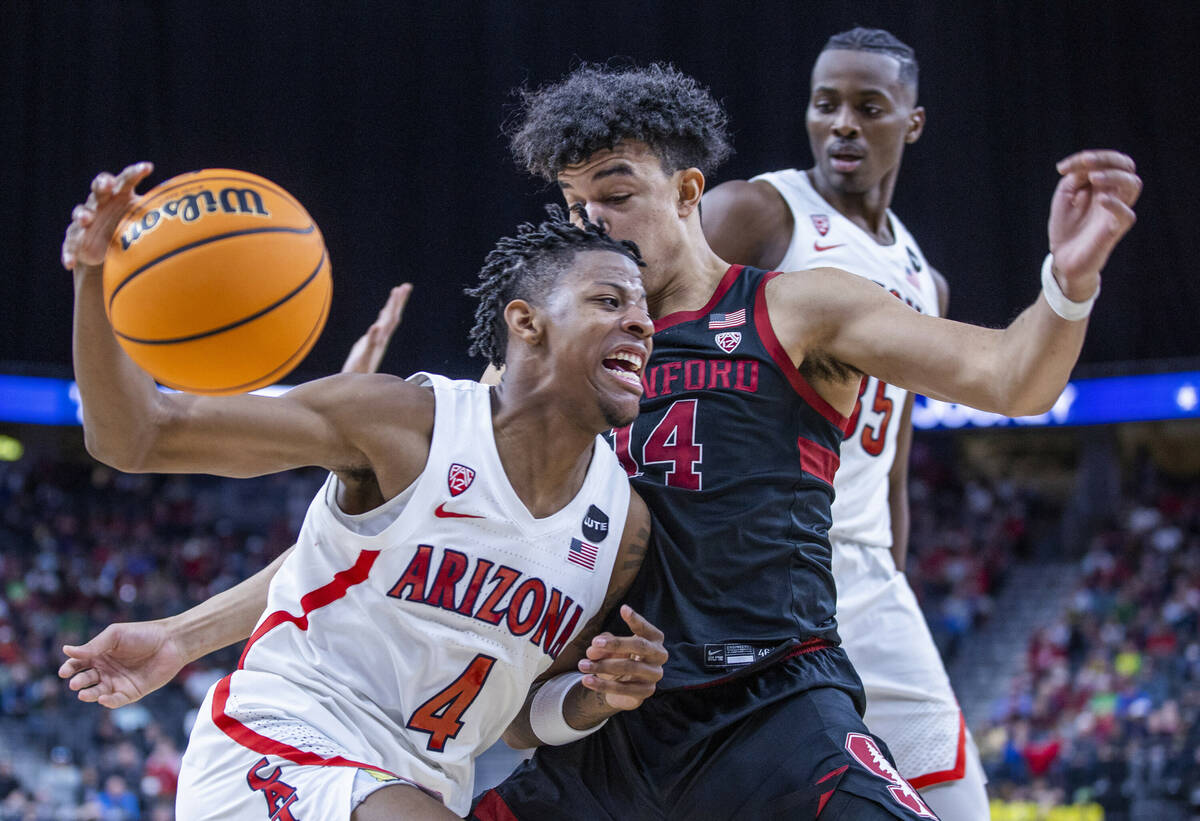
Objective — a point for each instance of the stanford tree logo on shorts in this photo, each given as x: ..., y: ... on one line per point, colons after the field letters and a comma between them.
x: 459, y: 478
x: 867, y: 752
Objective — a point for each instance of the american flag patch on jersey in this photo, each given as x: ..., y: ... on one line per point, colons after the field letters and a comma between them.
x: 733, y: 320
x: 582, y: 554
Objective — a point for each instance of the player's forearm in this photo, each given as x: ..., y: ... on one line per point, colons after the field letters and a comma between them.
x: 226, y: 618
x: 1035, y: 362
x: 119, y: 400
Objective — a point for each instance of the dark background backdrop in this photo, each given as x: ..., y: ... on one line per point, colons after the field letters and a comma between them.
x: 384, y: 119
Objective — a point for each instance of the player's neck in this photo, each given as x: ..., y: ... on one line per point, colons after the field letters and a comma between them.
x: 867, y: 209
x: 687, y: 276
x: 543, y: 448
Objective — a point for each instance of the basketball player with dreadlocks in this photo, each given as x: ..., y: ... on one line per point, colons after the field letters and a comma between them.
x: 464, y: 545
x: 862, y: 112
x: 747, y: 396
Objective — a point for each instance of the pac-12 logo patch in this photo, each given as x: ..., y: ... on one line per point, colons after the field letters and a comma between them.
x: 729, y: 340
x: 821, y: 223
x: 867, y: 753
x: 595, y: 524
x: 459, y: 478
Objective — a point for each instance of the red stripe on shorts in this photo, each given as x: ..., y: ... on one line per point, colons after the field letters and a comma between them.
x: 960, y: 762
x: 492, y: 808
x: 326, y: 594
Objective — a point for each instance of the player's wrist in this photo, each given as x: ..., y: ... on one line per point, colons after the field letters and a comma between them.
x: 547, y: 716
x: 1071, y: 307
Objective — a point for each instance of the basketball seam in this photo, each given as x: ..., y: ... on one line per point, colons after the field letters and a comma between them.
x: 235, y: 324
x: 284, y: 367
x: 312, y: 226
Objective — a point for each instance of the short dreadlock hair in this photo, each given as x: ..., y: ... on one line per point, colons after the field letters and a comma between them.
x: 526, y: 267
x: 596, y: 107
x: 878, y: 41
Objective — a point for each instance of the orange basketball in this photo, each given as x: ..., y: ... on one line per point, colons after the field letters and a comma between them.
x: 218, y: 282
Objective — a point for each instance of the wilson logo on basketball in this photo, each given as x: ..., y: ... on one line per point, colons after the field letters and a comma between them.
x: 459, y: 478
x: 191, y: 207
x: 867, y: 753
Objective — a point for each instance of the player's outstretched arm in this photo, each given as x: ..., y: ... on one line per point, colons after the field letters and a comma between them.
x: 598, y: 674
x: 131, y: 425
x: 1016, y: 371
x: 128, y: 660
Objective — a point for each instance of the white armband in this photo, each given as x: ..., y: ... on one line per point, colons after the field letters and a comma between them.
x: 1068, y: 309
x: 546, y: 712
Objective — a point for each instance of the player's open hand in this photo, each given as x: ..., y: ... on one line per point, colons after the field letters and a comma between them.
x: 122, y: 663
x: 1091, y: 210
x: 625, y: 669
x: 368, y: 351
x: 93, y: 222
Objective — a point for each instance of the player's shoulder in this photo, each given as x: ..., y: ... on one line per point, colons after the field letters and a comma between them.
x: 744, y: 221
x: 372, y: 396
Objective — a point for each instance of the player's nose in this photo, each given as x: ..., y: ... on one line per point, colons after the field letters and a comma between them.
x: 637, y: 322
x: 844, y: 124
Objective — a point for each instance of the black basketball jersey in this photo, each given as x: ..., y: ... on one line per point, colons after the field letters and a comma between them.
x: 735, y: 454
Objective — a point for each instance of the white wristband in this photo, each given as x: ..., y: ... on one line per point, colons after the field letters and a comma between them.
x: 546, y: 712
x: 1068, y: 309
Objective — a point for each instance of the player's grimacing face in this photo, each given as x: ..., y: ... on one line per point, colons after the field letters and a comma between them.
x: 601, y: 331
x: 627, y: 190
x: 860, y: 116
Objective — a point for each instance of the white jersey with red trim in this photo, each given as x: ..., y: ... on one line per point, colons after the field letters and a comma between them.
x: 405, y: 639
x: 823, y: 237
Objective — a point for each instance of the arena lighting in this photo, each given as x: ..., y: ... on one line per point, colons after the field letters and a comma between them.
x: 1140, y: 398
x: 11, y: 449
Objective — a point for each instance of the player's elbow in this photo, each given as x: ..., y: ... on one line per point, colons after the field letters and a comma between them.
x: 128, y: 445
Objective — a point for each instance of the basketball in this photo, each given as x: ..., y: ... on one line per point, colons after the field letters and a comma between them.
x: 217, y: 282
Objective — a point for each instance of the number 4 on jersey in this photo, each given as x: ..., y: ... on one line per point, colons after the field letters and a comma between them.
x: 441, y: 715
x: 672, y: 442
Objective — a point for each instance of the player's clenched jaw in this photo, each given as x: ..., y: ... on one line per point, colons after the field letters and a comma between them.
x: 626, y: 189
x: 860, y: 115
x: 596, y: 338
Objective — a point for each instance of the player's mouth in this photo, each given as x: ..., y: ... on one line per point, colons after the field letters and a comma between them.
x: 625, y: 364
x: 846, y: 159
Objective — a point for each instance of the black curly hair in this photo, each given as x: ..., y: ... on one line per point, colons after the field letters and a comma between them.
x: 596, y: 106
x: 878, y: 41
x: 526, y: 267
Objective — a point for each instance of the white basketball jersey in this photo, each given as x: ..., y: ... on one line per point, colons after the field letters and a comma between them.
x: 405, y: 639
x: 822, y: 237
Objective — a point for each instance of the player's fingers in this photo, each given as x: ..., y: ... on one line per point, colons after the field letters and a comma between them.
x: 82, y: 215
x: 131, y: 175
x: 1096, y: 159
x: 1122, y: 184
x: 393, y: 309
x: 71, y: 666
x: 114, y: 700
x: 626, y: 646
x: 82, y: 680
x: 634, y: 691
x: 624, y: 668
x: 1122, y: 213
x: 639, y: 625
x: 102, y: 184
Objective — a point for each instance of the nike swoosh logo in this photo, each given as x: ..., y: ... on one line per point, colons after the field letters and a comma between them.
x: 441, y: 512
x: 819, y: 247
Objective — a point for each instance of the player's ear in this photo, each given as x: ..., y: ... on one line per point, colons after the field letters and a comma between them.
x: 916, y: 125
x: 689, y: 184
x: 523, y: 321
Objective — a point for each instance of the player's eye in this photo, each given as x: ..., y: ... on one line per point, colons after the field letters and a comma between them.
x: 616, y: 199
